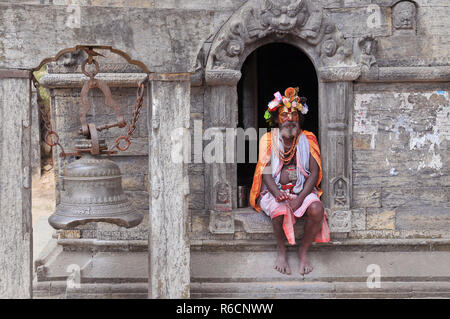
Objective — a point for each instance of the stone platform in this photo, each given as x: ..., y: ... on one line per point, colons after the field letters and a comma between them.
x: 408, y: 268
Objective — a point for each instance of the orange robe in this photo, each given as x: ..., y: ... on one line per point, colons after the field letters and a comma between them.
x: 265, y: 152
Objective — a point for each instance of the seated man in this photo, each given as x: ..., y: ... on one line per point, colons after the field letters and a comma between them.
x: 287, y: 178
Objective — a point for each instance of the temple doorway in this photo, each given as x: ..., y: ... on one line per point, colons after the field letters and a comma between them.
x: 271, y: 68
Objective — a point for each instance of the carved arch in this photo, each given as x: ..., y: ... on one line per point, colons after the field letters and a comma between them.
x: 300, y: 23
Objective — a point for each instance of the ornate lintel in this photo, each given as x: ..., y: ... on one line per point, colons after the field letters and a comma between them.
x: 338, y: 74
x: 302, y: 22
x: 222, y: 77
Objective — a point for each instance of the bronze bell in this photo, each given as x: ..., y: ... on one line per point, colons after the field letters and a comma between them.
x: 92, y: 192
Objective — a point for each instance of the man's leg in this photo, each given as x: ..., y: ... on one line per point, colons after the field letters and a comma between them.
x: 281, y: 263
x: 313, y: 225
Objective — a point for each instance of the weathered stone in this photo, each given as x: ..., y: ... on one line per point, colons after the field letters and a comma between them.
x: 432, y: 19
x: 380, y: 219
x: 197, y: 183
x: 426, y: 217
x: 197, y: 99
x: 358, y: 219
x: 183, y: 31
x: 16, y: 253
x: 169, y: 275
x: 69, y: 234
x: 358, y: 21
x: 366, y: 197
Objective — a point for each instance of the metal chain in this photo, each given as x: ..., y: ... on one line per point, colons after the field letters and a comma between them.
x: 45, y: 118
x: 136, y: 112
x: 55, y: 138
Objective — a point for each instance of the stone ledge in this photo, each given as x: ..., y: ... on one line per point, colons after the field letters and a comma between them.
x: 305, y: 289
x: 407, y: 74
x: 77, y: 80
x: 441, y: 244
x: 334, y: 245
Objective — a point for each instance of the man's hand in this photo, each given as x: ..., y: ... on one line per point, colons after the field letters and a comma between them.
x: 282, y: 196
x: 296, y: 202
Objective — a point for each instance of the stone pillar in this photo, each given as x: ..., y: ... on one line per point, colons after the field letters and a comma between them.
x: 336, y: 147
x: 221, y: 112
x: 169, y: 250
x: 15, y: 185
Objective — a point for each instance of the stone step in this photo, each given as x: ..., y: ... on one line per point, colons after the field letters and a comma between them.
x: 262, y: 290
x: 238, y: 272
x: 328, y: 266
x: 298, y: 289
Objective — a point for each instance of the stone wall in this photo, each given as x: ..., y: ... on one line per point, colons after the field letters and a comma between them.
x: 400, y: 139
x: 400, y: 160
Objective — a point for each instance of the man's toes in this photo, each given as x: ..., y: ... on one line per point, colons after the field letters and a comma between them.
x: 308, y: 269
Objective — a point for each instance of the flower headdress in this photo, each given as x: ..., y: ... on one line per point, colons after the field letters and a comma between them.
x: 288, y: 102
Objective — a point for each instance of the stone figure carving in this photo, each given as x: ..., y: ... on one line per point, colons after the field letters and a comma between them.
x: 299, y: 18
x: 223, y: 197
x: 340, y: 193
x: 404, y: 15
x: 368, y: 46
x: 222, y: 193
x: 221, y: 218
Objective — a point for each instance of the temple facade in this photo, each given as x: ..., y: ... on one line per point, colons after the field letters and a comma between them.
x: 377, y: 78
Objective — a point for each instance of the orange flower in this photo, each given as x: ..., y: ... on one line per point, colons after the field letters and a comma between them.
x: 290, y: 94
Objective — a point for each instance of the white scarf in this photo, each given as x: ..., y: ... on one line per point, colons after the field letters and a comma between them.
x: 302, y: 159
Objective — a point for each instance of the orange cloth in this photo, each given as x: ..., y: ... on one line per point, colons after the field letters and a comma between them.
x: 265, y: 152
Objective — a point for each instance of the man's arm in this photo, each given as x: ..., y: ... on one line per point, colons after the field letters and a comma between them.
x: 308, y: 186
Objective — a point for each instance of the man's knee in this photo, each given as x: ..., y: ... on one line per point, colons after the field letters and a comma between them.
x: 315, y: 211
x: 279, y: 219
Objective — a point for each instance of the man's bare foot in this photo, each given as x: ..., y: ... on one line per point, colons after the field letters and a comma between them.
x: 305, y: 265
x: 281, y: 264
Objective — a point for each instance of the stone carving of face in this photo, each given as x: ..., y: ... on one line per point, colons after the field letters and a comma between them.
x: 404, y: 14
x: 234, y: 48
x: 283, y: 15
x: 368, y: 45
x: 329, y: 47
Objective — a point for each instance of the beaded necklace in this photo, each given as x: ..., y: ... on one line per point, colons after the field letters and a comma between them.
x: 286, y: 157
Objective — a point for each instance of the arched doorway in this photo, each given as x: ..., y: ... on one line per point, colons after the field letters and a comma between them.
x: 268, y: 69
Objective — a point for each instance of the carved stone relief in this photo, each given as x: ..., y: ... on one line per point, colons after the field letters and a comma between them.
x: 221, y: 218
x: 304, y: 24
x: 280, y: 18
x: 404, y: 15
x: 340, y: 221
x: 340, y: 193
x: 368, y: 47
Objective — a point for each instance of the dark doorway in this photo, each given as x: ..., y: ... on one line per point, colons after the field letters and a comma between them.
x: 271, y: 68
